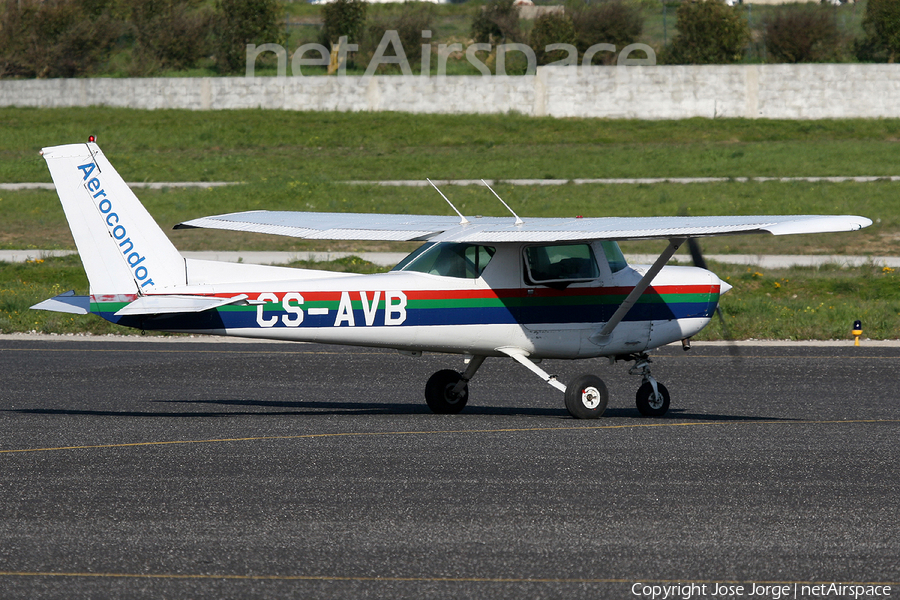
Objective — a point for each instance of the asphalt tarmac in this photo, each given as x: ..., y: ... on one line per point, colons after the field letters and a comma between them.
x: 157, y: 469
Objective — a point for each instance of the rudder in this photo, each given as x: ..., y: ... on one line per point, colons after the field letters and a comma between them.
x: 122, y: 248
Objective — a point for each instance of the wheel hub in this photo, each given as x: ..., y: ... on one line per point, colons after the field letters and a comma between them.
x: 450, y: 397
x: 655, y: 400
x: 590, y: 397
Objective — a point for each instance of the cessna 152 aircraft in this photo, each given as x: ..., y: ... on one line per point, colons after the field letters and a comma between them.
x: 526, y: 289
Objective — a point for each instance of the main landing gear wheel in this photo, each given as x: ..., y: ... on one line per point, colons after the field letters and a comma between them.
x: 586, y: 397
x: 652, y: 404
x: 439, y: 393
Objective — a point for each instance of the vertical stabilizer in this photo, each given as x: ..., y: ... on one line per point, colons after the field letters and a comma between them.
x: 123, y: 250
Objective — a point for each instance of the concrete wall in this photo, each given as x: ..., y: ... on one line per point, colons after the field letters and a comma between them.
x: 660, y: 92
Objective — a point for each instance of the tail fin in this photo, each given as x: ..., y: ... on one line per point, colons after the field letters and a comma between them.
x: 123, y: 250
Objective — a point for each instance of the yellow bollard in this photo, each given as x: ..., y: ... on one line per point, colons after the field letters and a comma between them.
x: 334, y: 59
x: 857, y: 331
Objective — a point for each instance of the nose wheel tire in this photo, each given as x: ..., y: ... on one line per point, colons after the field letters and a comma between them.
x: 650, y: 404
x: 586, y: 397
x: 439, y: 394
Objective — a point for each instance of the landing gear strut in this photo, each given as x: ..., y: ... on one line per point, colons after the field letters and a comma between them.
x: 586, y: 395
x: 652, y: 397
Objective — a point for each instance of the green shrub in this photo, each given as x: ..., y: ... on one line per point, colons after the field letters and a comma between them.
x: 169, y: 34
x: 709, y: 32
x: 241, y: 22
x: 409, y: 24
x: 803, y: 33
x: 343, y: 18
x: 551, y: 28
x: 497, y: 22
x: 614, y: 22
x: 881, y: 23
x: 56, y: 38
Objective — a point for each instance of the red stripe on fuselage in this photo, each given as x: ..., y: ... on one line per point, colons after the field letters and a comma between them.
x: 536, y: 292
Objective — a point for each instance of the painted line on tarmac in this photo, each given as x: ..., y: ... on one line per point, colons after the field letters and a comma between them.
x: 361, y: 434
x: 425, y: 579
x: 372, y: 578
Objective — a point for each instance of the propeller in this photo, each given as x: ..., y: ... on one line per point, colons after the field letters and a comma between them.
x: 699, y: 261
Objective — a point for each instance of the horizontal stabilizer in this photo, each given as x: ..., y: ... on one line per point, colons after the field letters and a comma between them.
x: 155, y: 305
x: 67, y: 302
x: 355, y: 226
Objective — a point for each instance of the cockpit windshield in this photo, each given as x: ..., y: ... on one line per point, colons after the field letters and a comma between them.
x: 614, y: 256
x: 448, y: 260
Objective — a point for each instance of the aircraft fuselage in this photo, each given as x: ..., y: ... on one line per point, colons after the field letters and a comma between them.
x: 422, y: 311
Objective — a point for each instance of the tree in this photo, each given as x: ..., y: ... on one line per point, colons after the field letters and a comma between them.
x: 343, y: 18
x: 409, y: 24
x: 709, y: 32
x: 55, y: 39
x: 242, y: 22
x: 803, y: 33
x: 169, y: 34
x: 551, y: 28
x: 611, y: 22
x: 882, y: 32
x: 497, y: 22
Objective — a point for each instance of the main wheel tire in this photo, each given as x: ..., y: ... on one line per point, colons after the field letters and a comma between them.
x: 586, y: 397
x: 651, y: 405
x: 439, y: 393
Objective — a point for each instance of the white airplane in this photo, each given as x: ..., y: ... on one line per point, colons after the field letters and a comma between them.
x: 526, y: 289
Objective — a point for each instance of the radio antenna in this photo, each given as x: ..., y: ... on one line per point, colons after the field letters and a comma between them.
x: 519, y: 221
x: 463, y: 220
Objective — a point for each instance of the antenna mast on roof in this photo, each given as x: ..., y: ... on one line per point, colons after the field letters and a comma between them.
x: 463, y: 220
x: 519, y: 221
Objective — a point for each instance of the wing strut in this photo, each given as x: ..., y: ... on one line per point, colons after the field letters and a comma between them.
x: 602, y: 337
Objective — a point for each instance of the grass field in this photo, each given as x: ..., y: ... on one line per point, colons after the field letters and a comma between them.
x: 301, y: 161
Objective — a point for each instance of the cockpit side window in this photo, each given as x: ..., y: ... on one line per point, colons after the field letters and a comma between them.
x: 614, y: 256
x: 567, y: 263
x: 464, y: 261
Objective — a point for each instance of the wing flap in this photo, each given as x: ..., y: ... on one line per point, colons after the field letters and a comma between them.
x: 155, y: 305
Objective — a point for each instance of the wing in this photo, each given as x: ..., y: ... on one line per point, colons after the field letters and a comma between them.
x: 359, y: 226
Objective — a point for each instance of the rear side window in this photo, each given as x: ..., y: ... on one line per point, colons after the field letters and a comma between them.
x: 564, y: 263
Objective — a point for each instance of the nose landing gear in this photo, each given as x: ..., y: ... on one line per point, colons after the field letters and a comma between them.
x: 652, y: 397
